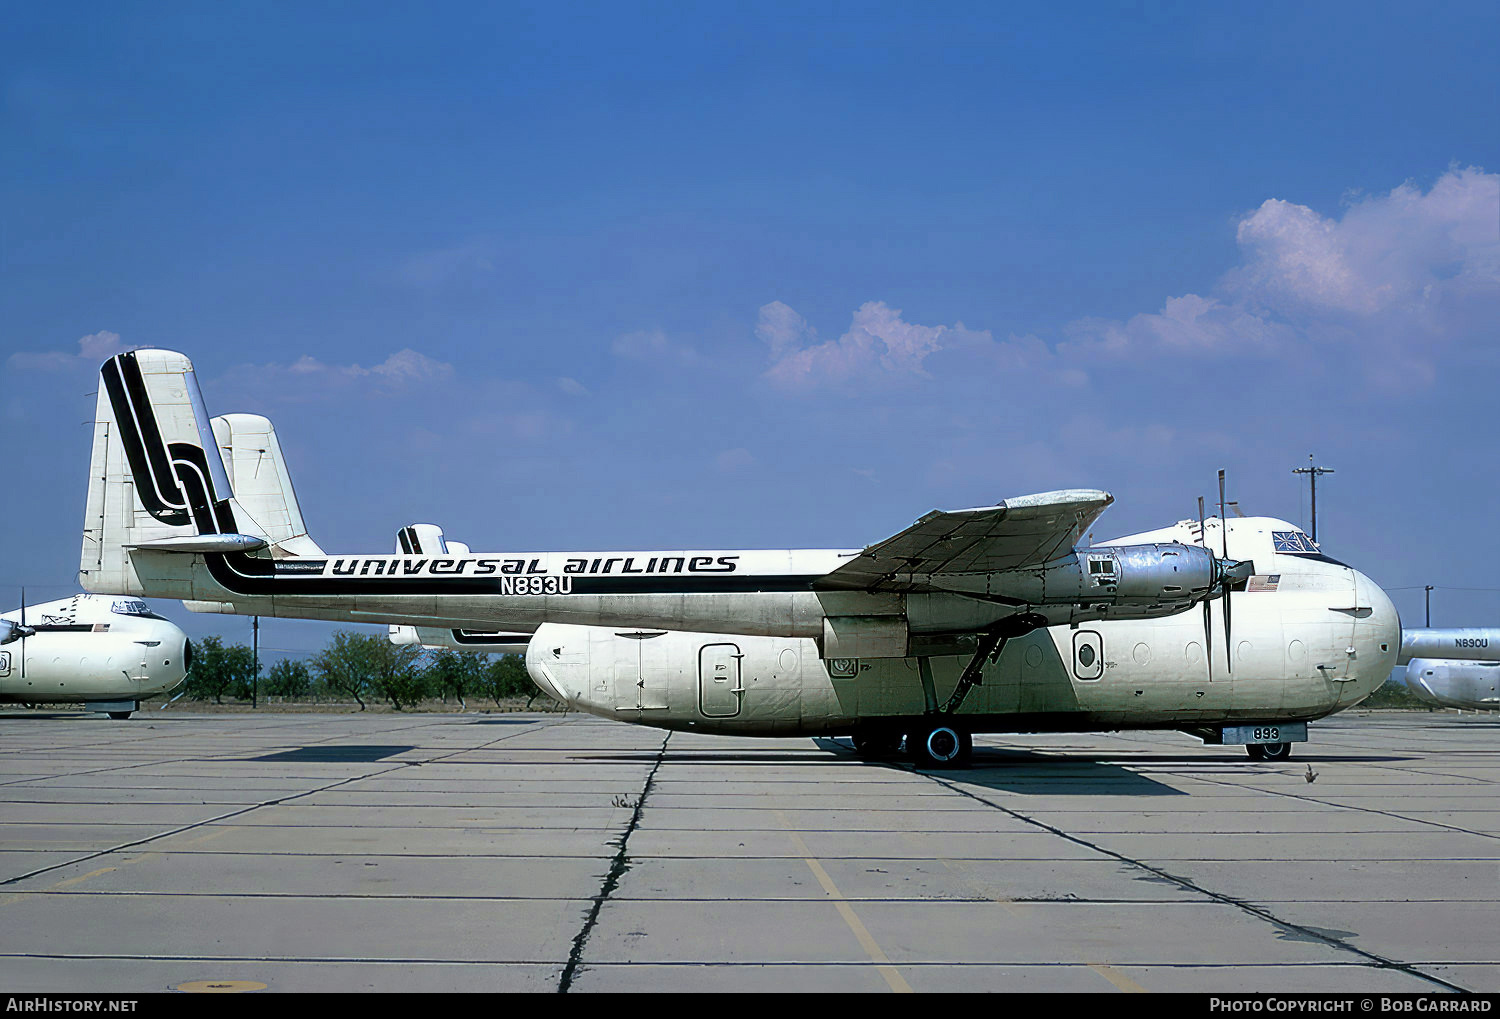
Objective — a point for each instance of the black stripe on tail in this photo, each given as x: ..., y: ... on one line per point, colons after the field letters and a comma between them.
x: 171, y: 481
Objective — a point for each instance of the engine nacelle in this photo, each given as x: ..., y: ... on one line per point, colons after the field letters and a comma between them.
x: 1127, y: 580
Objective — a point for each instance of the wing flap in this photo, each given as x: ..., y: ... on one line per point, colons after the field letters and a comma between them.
x: 1015, y: 534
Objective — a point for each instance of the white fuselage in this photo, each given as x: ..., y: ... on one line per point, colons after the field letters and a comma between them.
x: 1451, y: 667
x: 1309, y: 637
x: 91, y: 648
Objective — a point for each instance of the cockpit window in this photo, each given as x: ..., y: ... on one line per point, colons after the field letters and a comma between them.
x: 132, y: 607
x: 1296, y: 543
x: 1292, y: 542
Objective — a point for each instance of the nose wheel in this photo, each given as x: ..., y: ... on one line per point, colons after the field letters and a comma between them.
x: 940, y: 746
x: 1268, y: 751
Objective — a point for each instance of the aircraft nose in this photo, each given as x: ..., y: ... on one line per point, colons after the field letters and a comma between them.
x: 1411, y: 675
x: 536, y: 668
x: 1377, y: 636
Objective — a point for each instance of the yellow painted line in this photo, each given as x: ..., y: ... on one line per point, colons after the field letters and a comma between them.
x: 83, y: 877
x: 220, y: 986
x: 1114, y: 976
x: 862, y: 934
x: 1117, y: 978
x: 6, y: 900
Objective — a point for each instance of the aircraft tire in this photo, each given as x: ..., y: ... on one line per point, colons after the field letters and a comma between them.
x: 1276, y: 751
x: 119, y: 716
x: 876, y: 744
x: 940, y: 746
x: 1256, y: 751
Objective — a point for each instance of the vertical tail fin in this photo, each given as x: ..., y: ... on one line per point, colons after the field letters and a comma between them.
x: 264, y: 502
x: 421, y: 539
x: 157, y: 480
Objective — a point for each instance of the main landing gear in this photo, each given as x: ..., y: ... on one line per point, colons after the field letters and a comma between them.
x: 940, y: 740
x: 940, y: 746
x: 1268, y: 751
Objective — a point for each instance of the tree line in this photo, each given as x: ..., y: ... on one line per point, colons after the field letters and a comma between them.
x: 359, y: 667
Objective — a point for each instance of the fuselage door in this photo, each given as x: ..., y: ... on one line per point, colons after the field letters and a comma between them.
x: 627, y: 675
x: 1088, y: 654
x: 719, y: 686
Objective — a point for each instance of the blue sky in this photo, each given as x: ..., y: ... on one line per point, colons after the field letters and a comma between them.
x: 657, y: 275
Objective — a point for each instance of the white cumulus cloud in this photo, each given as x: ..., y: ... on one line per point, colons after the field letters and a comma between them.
x: 1393, y: 280
x: 93, y: 350
x: 879, y: 342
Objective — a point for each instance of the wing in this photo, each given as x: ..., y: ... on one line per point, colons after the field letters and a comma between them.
x: 1016, y: 534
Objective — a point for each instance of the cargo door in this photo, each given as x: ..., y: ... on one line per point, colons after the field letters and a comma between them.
x: 719, y: 687
x: 625, y: 668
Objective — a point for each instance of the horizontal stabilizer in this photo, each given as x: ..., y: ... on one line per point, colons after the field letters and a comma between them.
x: 204, y: 543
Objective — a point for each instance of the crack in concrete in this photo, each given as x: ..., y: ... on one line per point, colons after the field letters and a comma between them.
x: 617, y: 869
x: 1300, y: 931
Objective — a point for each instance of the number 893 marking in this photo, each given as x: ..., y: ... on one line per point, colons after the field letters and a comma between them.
x: 1270, y: 732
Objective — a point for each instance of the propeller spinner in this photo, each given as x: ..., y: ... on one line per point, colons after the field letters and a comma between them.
x: 10, y: 631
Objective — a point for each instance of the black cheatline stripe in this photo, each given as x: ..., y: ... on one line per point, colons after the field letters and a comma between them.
x: 139, y: 434
x: 490, y: 637
x: 243, y: 574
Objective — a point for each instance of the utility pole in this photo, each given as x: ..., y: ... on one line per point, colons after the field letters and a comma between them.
x: 255, y: 644
x: 1313, y: 473
x: 1427, y: 597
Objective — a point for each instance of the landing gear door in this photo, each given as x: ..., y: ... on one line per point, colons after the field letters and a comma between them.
x: 719, y: 686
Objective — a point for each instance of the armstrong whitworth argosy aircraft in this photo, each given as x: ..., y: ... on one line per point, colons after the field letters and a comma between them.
x: 980, y: 620
x: 1454, y: 668
x: 107, y: 653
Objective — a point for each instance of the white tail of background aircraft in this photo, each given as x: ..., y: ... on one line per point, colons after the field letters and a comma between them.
x: 427, y: 539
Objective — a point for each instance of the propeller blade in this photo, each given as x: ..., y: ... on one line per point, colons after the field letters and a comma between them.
x: 1223, y: 526
x: 1224, y: 535
x: 22, y: 650
x: 1228, y: 640
x: 1208, y: 639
